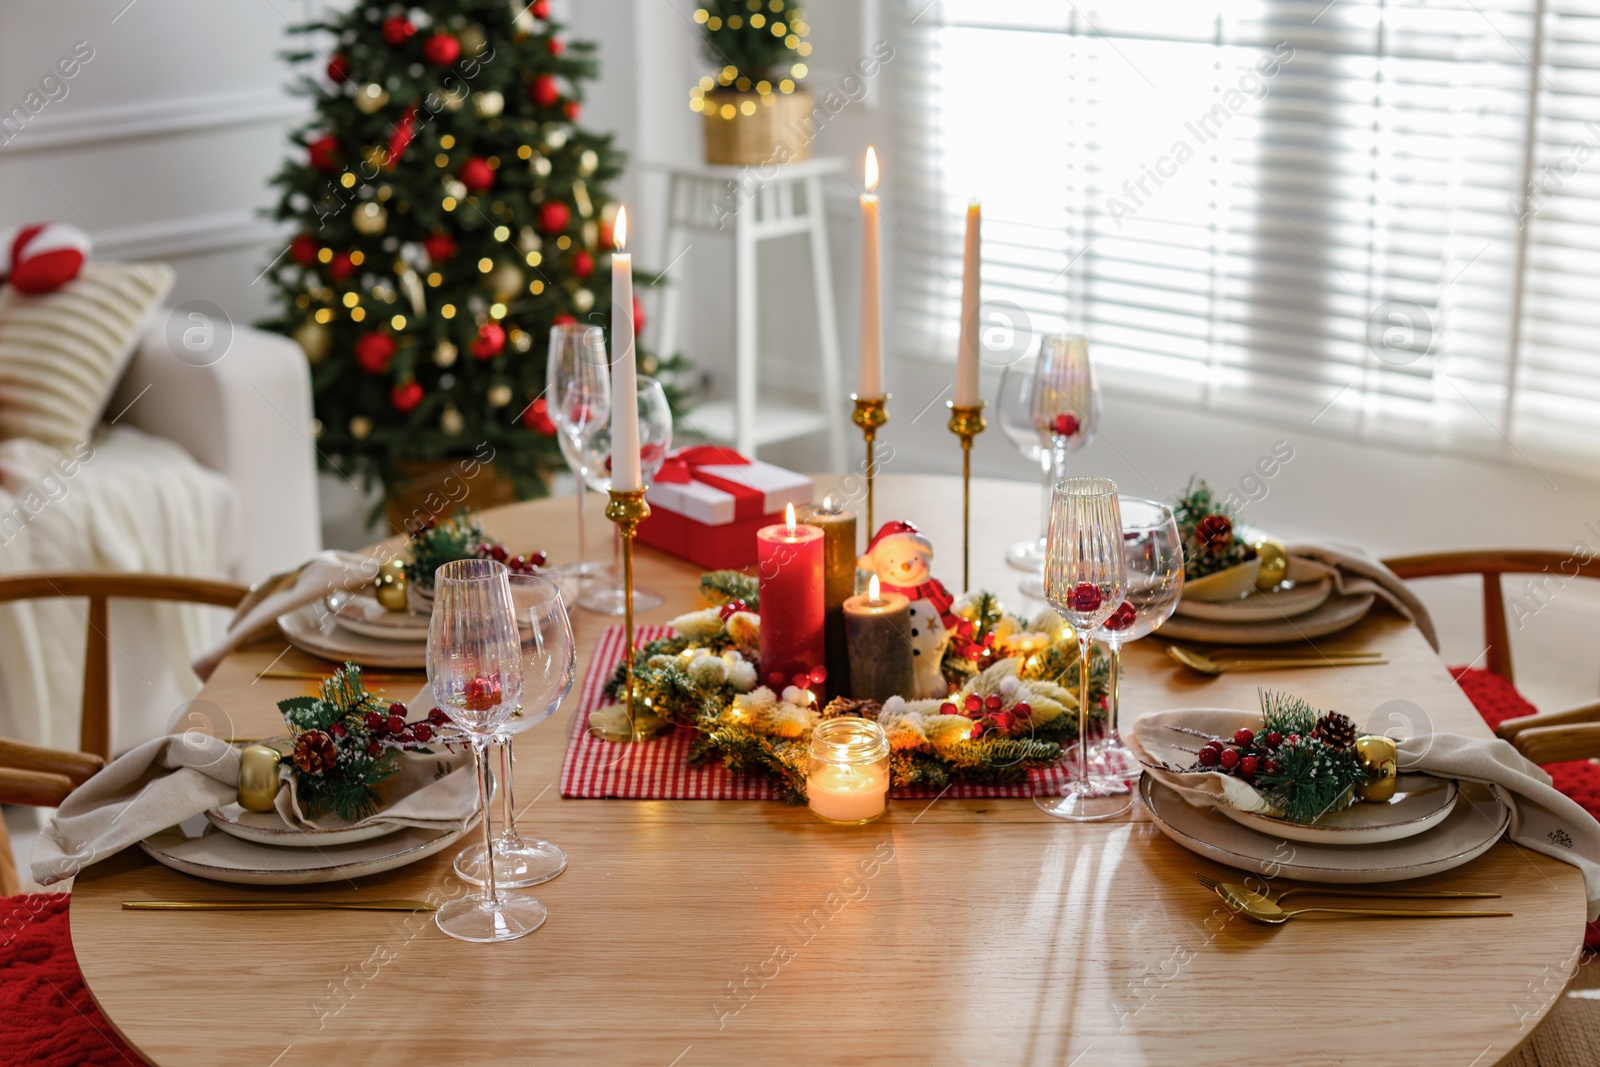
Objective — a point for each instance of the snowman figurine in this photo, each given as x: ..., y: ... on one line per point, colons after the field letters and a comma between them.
x: 900, y: 556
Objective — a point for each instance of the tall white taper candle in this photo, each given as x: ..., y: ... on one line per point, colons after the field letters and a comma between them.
x: 967, y: 354
x: 870, y: 383
x: 625, y: 474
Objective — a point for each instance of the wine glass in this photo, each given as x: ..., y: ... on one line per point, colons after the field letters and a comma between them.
x: 578, y: 384
x: 548, y: 666
x: 1049, y: 407
x: 1085, y: 579
x: 1152, y: 555
x: 655, y: 441
x: 475, y: 671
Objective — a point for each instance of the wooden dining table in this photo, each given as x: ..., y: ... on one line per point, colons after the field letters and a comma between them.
x: 948, y: 932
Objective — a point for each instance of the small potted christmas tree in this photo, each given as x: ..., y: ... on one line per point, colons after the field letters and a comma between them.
x: 754, y: 106
x: 450, y: 210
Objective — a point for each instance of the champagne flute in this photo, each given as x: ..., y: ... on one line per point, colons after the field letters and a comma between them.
x: 1049, y: 407
x: 1152, y: 554
x: 475, y: 671
x: 1085, y: 579
x: 549, y: 664
x: 578, y: 383
x: 655, y: 441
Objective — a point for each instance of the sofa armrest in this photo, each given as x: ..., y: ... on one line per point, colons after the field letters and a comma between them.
x: 246, y: 416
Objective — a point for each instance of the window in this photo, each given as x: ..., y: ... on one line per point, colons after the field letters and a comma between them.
x: 1381, y: 217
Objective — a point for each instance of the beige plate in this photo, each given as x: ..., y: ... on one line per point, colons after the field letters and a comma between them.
x: 269, y: 828
x: 311, y: 629
x: 1420, y: 803
x: 1467, y: 833
x: 209, y: 853
x: 362, y: 614
x: 1281, y: 603
x: 1338, y: 612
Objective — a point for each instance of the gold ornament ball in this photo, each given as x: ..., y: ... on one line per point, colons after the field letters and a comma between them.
x: 360, y: 427
x: 1380, y: 756
x: 488, y: 103
x: 451, y: 421
x: 390, y: 588
x: 505, y: 282
x: 1274, y: 563
x: 499, y: 395
x: 314, y: 339
x: 444, y: 355
x: 371, y: 218
x: 258, y: 777
x: 370, y: 97
x: 472, y: 40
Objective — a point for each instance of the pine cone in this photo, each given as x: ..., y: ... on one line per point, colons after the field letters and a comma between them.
x: 1214, y: 532
x: 1335, y: 730
x: 839, y: 707
x: 315, y: 752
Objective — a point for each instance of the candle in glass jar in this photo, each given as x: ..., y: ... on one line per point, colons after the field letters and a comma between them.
x: 790, y: 571
x: 878, y: 634
x: 838, y: 526
x: 847, y: 771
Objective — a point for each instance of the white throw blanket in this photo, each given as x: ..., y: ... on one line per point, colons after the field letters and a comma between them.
x: 126, y: 502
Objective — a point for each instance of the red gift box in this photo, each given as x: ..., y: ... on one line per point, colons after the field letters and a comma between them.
x: 707, y: 503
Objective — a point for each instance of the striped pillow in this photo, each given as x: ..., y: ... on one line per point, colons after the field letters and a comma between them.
x: 62, y: 353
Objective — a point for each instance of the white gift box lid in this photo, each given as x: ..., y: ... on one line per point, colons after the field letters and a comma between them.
x: 713, y: 506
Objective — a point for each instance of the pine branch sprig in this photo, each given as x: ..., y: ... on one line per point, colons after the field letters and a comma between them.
x: 724, y: 587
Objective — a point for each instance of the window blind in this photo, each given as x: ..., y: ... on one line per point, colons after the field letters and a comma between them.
x: 1370, y: 216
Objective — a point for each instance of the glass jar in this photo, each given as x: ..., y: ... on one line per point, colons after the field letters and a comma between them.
x: 847, y: 771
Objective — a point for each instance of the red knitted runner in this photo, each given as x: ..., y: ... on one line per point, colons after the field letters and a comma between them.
x: 47, y: 1018
x: 660, y: 770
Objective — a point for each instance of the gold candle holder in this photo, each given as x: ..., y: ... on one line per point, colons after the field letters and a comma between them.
x: 966, y: 423
x: 620, y: 722
x: 871, y: 412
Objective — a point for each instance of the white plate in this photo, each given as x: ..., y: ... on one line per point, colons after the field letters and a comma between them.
x: 313, y: 629
x: 1467, y: 833
x: 197, y: 848
x: 1281, y: 603
x: 362, y: 614
x: 269, y: 828
x: 1338, y: 612
x: 1420, y: 803
x: 1230, y: 584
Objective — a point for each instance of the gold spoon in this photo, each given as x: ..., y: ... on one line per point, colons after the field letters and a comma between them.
x: 1338, y: 891
x: 1206, y: 665
x: 1262, y: 910
x: 278, y: 905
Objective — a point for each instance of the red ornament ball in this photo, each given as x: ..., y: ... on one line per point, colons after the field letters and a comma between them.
x: 341, y: 266
x: 582, y: 263
x: 556, y: 46
x: 441, y: 49
x: 490, y: 340
x: 1084, y: 597
x: 1214, y: 532
x: 544, y: 91
x: 374, y: 351
x: 439, y: 246
x: 1244, y: 737
x: 1229, y: 758
x: 476, y: 175
x: 323, y: 153
x: 563, y: 318
x: 481, y: 693
x: 398, y: 30
x: 819, y: 675
x: 541, y: 9
x: 303, y: 249
x: 573, y: 110
x: 1122, y: 618
x: 406, y: 396
x: 553, y: 216
x: 338, y: 68
x: 537, y: 418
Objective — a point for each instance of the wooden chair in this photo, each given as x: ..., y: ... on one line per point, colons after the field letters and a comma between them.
x: 41, y: 778
x: 100, y: 588
x: 1550, y: 737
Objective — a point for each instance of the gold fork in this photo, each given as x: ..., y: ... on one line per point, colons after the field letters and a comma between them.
x: 1223, y: 889
x: 1198, y: 661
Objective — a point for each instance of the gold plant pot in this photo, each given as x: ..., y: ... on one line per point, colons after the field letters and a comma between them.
x: 776, y: 130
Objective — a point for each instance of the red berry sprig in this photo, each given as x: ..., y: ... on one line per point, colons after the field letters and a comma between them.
x: 528, y: 564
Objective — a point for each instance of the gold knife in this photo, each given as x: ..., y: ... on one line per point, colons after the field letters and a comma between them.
x: 278, y: 905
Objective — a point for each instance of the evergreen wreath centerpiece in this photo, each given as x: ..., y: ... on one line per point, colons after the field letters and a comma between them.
x: 432, y: 543
x: 1012, y: 707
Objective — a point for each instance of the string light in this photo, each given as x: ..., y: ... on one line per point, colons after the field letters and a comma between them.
x: 323, y: 315
x: 351, y: 300
x: 447, y: 141
x: 501, y: 233
x: 398, y: 322
x: 358, y: 257
x: 324, y: 255
x: 497, y: 311
x: 448, y: 203
x: 448, y: 311
x: 357, y: 314
x: 485, y: 265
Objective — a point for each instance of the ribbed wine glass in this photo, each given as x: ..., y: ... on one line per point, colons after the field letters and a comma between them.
x: 549, y: 663
x: 1152, y: 555
x: 578, y: 382
x: 1085, y: 581
x: 475, y: 671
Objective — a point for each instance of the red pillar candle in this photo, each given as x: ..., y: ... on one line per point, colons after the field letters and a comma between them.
x: 790, y: 562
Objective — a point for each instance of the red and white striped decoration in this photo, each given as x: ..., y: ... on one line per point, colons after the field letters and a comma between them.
x: 659, y: 769
x: 42, y: 256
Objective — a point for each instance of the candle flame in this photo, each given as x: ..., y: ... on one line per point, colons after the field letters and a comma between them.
x: 620, y: 231
x: 874, y: 590
x: 827, y: 503
x: 872, y: 169
x: 788, y: 518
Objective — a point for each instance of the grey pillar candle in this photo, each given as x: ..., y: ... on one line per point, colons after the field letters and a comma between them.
x: 878, y: 632
x: 838, y: 584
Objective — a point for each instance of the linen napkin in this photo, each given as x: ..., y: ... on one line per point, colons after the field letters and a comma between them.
x: 327, y: 572
x: 1542, y: 819
x: 169, y: 779
x: 1355, y: 571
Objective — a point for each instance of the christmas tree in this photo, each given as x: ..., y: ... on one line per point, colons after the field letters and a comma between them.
x: 451, y: 210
